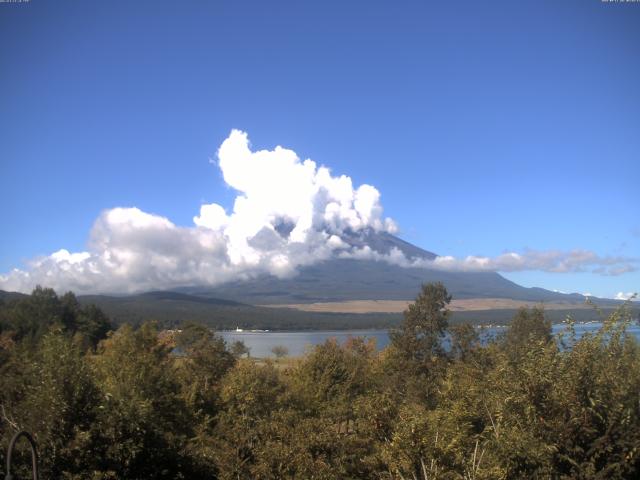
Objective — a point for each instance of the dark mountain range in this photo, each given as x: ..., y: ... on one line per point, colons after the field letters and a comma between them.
x: 239, y: 303
x: 383, y: 242
x: 171, y: 309
x: 8, y: 296
x: 348, y: 279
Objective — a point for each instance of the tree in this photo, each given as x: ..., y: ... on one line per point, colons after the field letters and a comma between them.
x: 239, y: 349
x: 31, y: 317
x: 206, y: 360
x: 527, y: 328
x: 416, y: 357
x: 144, y: 423
x: 92, y: 324
x: 464, y: 340
x: 280, y: 351
x: 425, y: 323
x: 249, y: 395
x: 57, y: 401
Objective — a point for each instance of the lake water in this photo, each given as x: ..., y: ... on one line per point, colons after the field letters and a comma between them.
x: 297, y: 343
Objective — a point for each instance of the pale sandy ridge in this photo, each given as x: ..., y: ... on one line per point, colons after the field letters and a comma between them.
x: 398, y: 306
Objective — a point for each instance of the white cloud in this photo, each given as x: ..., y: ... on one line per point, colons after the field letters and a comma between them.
x: 626, y: 296
x: 287, y: 213
x: 553, y: 261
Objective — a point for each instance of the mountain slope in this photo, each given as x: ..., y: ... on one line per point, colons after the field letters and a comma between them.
x: 347, y: 279
x: 171, y: 309
x: 342, y: 279
x: 335, y: 280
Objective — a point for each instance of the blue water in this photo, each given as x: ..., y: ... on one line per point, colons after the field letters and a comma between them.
x: 261, y: 343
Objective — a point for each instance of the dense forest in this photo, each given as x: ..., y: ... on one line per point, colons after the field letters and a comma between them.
x: 171, y: 309
x: 142, y: 403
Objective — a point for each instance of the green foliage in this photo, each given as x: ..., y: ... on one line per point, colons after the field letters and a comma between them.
x: 249, y: 396
x: 331, y: 377
x: 464, y: 340
x: 31, y: 317
x: 205, y: 361
x: 239, y: 349
x: 416, y: 357
x: 55, y: 397
x: 146, y: 404
x: 527, y: 327
x: 144, y: 422
x: 425, y: 322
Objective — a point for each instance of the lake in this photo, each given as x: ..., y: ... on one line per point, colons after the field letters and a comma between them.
x: 260, y: 343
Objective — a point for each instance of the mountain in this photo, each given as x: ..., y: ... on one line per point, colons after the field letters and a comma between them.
x: 9, y: 296
x: 340, y: 279
x: 258, y: 303
x: 244, y: 304
x: 171, y: 309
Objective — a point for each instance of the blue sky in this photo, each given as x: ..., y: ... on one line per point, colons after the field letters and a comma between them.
x: 486, y: 126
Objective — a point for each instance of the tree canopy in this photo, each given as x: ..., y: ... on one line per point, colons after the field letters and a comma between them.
x: 142, y: 403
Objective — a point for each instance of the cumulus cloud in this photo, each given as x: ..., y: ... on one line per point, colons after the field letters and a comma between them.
x: 129, y: 250
x: 287, y: 213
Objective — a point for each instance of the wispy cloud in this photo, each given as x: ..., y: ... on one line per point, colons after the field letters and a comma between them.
x: 554, y: 261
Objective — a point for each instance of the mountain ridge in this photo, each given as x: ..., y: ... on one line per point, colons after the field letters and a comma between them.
x: 266, y: 301
x: 342, y: 279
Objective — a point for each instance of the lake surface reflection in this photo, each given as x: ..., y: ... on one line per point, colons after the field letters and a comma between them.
x: 261, y: 343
